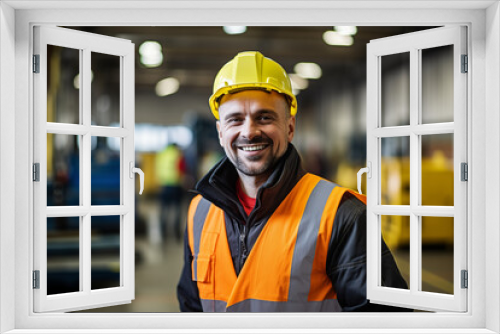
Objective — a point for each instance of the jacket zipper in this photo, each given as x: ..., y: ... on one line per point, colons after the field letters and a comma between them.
x: 243, y: 246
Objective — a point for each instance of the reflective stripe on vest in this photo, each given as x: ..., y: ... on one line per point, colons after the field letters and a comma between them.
x: 286, y: 269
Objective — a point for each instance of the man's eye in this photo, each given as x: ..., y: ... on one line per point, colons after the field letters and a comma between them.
x: 234, y: 120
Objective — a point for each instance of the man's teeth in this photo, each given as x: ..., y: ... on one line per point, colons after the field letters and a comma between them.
x: 253, y: 148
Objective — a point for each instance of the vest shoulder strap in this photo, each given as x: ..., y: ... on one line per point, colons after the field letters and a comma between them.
x: 197, y: 213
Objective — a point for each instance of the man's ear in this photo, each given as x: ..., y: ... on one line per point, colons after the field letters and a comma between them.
x: 217, y: 124
x: 291, y: 128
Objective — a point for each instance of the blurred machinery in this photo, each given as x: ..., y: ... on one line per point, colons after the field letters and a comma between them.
x: 63, y: 242
x: 437, y: 189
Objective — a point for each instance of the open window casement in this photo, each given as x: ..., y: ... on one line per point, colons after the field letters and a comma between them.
x: 83, y: 195
x: 416, y: 108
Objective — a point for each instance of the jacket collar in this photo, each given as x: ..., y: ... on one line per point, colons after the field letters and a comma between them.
x: 219, y: 187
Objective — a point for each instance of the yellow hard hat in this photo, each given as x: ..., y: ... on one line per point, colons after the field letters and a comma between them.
x: 251, y: 70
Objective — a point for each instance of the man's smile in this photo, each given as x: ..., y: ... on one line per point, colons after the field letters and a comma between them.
x: 252, y: 148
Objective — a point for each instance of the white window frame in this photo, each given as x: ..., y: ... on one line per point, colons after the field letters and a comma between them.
x: 414, y: 43
x: 16, y: 22
x: 86, y: 44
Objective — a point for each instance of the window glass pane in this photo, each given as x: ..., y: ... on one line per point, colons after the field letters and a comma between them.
x: 63, y: 255
x: 105, y: 252
x: 395, y: 94
x: 395, y: 171
x: 105, y: 172
x: 63, y: 96
x: 437, y: 84
x: 396, y: 234
x: 437, y: 254
x: 437, y: 170
x: 63, y: 170
x: 105, y: 89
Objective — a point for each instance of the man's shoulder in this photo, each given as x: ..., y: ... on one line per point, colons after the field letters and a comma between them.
x: 349, y: 200
x: 198, y: 199
x: 350, y: 203
x: 348, y: 193
x: 198, y: 202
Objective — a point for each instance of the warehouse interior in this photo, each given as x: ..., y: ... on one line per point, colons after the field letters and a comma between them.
x: 174, y: 72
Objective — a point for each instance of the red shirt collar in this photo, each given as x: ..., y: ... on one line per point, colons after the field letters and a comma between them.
x: 245, y: 200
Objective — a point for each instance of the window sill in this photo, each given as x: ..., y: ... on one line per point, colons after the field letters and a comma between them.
x: 264, y: 330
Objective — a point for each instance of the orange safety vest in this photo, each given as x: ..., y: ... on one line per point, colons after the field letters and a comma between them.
x: 286, y: 268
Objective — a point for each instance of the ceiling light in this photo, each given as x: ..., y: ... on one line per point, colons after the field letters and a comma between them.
x: 149, y: 47
x: 151, y: 54
x: 334, y: 38
x: 346, y: 30
x: 308, y: 70
x: 167, y: 86
x: 234, y: 30
x: 76, y: 80
x: 298, y: 82
x: 152, y: 61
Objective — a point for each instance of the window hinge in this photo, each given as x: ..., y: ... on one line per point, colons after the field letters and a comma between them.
x: 36, y: 279
x: 36, y: 172
x: 36, y: 63
x: 465, y: 279
x: 465, y: 64
x: 464, y: 171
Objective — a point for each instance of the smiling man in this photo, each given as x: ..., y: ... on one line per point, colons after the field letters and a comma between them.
x: 254, y: 130
x: 263, y: 235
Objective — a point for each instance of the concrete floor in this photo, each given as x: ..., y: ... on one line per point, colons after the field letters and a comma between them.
x: 159, y: 263
x: 155, y: 279
x: 437, y: 268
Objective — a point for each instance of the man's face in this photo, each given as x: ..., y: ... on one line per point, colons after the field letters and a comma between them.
x: 254, y: 130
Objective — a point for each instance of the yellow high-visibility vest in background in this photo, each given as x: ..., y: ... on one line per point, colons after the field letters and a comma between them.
x: 168, y: 172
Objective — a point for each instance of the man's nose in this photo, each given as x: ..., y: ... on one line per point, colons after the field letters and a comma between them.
x: 250, y: 129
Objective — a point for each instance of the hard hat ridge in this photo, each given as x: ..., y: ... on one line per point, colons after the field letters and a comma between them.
x: 247, y: 67
x: 251, y: 70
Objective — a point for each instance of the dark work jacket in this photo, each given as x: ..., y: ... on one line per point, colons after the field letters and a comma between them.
x: 346, y: 258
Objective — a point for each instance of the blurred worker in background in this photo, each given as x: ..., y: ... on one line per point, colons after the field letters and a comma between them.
x: 263, y: 234
x: 170, y: 170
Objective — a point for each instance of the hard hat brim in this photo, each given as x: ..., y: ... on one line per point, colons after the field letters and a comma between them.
x: 215, y: 98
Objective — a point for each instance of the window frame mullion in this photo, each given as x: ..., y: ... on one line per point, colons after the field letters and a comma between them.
x: 415, y: 167
x: 85, y: 167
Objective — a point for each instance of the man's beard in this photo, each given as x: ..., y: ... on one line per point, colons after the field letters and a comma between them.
x: 265, y: 167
